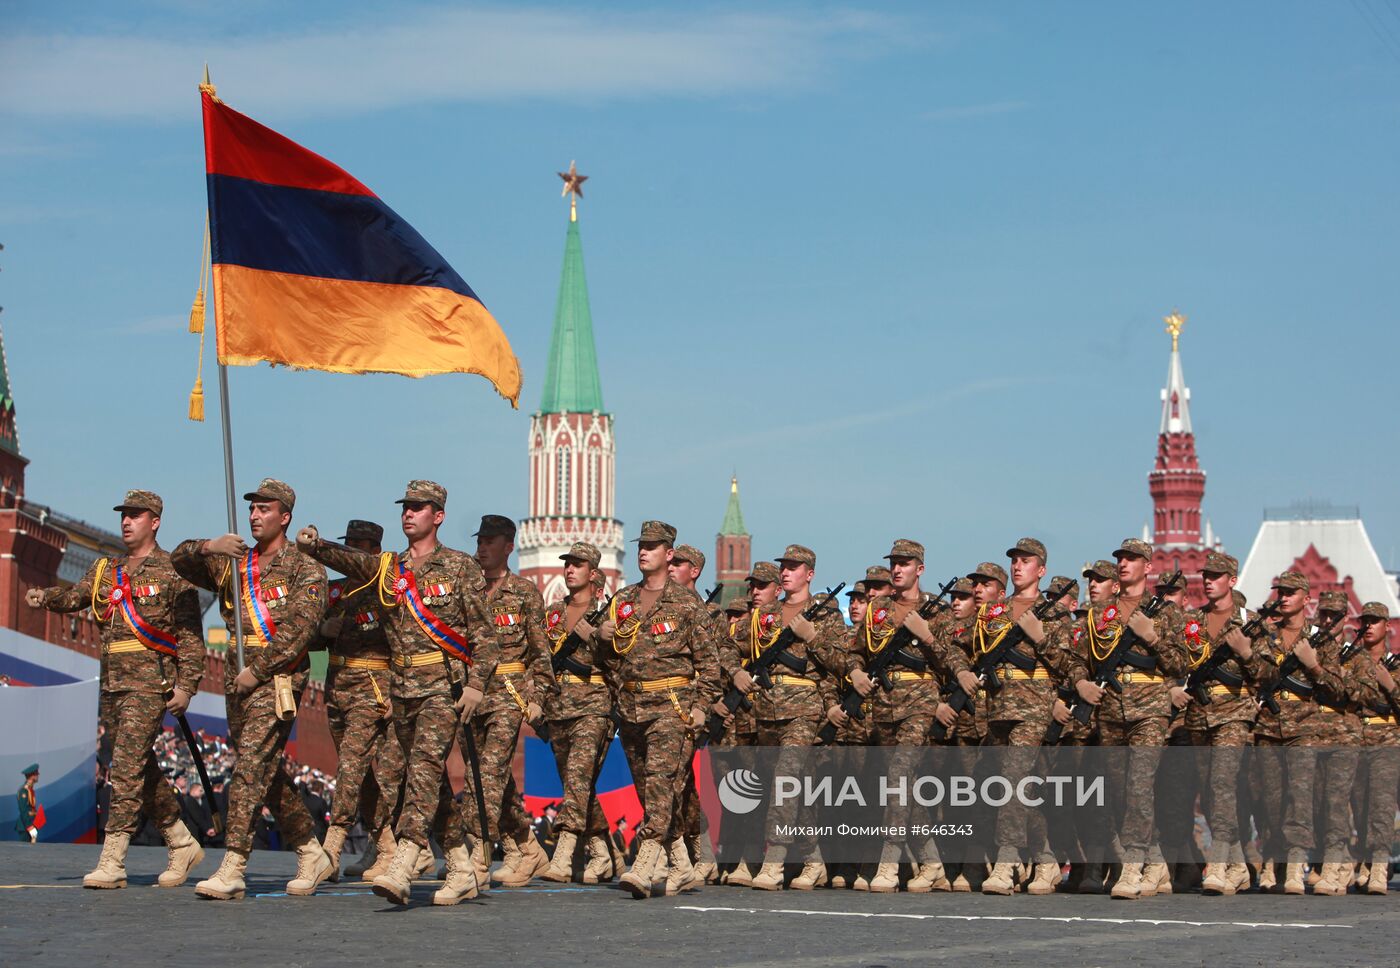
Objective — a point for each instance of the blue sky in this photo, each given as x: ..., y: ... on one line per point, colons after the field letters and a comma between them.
x: 902, y: 267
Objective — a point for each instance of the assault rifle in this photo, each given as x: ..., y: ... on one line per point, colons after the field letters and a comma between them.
x: 196, y: 753
x: 562, y: 660
x: 896, y: 650
x: 1106, y: 673
x: 1267, y: 697
x: 761, y: 669
x: 987, y: 666
x: 1198, y: 682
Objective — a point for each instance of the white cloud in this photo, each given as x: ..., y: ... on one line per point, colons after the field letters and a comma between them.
x: 482, y: 54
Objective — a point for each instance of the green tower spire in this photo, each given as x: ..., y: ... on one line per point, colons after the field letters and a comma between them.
x: 9, y: 431
x: 733, y: 516
x: 571, y: 383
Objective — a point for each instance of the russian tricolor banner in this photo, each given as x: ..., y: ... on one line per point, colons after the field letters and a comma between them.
x: 312, y: 270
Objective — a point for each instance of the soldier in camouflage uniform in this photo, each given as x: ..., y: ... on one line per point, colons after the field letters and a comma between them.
x: 904, y: 715
x: 580, y: 724
x: 516, y: 693
x: 1287, y: 739
x: 443, y: 648
x: 357, y: 705
x: 849, y: 730
x: 1137, y: 717
x: 151, y: 640
x: 1376, y: 689
x: 1177, y: 782
x: 281, y: 595
x: 967, y: 733
x: 664, y: 669
x: 1339, y: 738
x: 1021, y: 709
x: 791, y: 713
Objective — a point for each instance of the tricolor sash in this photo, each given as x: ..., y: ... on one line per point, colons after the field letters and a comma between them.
x: 123, y: 601
x: 444, y: 636
x: 264, y: 628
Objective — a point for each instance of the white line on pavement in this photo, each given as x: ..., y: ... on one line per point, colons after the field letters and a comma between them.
x: 1001, y: 917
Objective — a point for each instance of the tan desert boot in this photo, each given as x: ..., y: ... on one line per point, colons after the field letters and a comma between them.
x: 638, y: 877
x: 702, y: 855
x: 530, y: 862
x: 227, y: 882
x: 384, y: 847
x: 511, y: 857
x: 313, y: 867
x: 397, y: 883
x: 183, y: 854
x: 811, y: 877
x: 460, y: 883
x: 1045, y: 879
x: 740, y: 876
x: 425, y: 868
x: 561, y: 865
x: 333, y: 845
x: 928, y: 878
x: 682, y: 875
x: 1002, y: 880
x: 1331, y: 881
x: 1128, y: 883
x: 886, y: 879
x: 1293, y: 879
x: 1156, y: 879
x: 1213, y: 881
x: 600, y: 863
x: 1236, y: 877
x: 770, y: 875
x: 1378, y: 877
x: 110, y: 872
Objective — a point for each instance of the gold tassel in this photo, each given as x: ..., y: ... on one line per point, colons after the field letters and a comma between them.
x: 197, y: 400
x: 197, y: 313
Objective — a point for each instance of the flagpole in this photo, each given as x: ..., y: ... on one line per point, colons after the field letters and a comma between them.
x: 232, y: 507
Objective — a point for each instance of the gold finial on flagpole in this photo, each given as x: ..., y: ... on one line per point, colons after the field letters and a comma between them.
x: 207, y: 87
x: 1176, y: 322
x: 573, y: 187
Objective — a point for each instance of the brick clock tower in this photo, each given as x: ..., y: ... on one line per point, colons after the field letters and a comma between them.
x: 1177, y: 483
x: 733, y: 549
x: 572, y: 460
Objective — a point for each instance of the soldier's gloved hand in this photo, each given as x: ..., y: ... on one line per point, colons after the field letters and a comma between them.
x: 331, y: 627
x: 307, y: 537
x: 837, y: 716
x: 1032, y: 626
x: 34, y: 598
x: 178, y: 703
x: 743, y: 681
x: 227, y: 544
x: 1179, y: 696
x: 245, y: 682
x: 1143, y: 627
x: 1090, y: 691
x: 723, y: 711
x: 861, y: 682
x: 945, y: 715
x: 1306, y: 654
x: 969, y: 682
x: 467, y: 702
x: 606, y: 631
x: 918, y: 626
x: 585, y: 631
x: 1239, y: 643
x: 697, y: 717
x: 533, y: 712
x: 1060, y: 712
x: 802, y: 628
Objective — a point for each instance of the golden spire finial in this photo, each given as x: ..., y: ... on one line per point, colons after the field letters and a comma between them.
x: 734, y: 484
x: 207, y: 87
x: 1176, y: 322
x: 573, y: 187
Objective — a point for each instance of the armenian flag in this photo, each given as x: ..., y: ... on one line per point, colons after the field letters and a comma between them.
x: 312, y: 270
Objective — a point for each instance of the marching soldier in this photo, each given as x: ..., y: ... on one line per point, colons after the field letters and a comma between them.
x: 1375, y: 820
x: 1340, y: 734
x: 969, y: 731
x: 357, y: 707
x: 580, y: 725
x: 1177, y: 781
x: 664, y: 669
x: 151, y: 640
x: 904, y: 715
x: 282, y: 595
x: 790, y: 714
x: 849, y: 730
x: 443, y: 650
x: 515, y: 693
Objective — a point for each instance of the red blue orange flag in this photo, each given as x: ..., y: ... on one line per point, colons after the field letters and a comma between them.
x: 312, y: 270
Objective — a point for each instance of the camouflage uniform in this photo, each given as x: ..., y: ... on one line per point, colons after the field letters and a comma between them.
x: 293, y: 597
x: 422, y: 673
x: 522, y: 676
x: 1380, y: 768
x: 1339, y: 737
x: 134, y: 677
x: 357, y: 700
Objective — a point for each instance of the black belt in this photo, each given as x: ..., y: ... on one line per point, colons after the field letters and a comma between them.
x: 1302, y: 690
x: 1146, y: 663
x: 1018, y: 659
x: 910, y: 661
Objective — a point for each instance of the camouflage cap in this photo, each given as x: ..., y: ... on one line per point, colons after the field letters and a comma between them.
x: 764, y: 571
x: 271, y: 489
x: 141, y: 501
x: 800, y: 554
x: 357, y: 530
x: 1070, y: 585
x: 1103, y: 569
x: 878, y: 573
x: 1028, y: 546
x: 963, y: 586
x: 1173, y: 582
x: 906, y: 548
x: 737, y: 606
x: 1333, y: 601
x: 1219, y: 563
x: 1375, y: 610
x: 424, y: 492
x: 1292, y: 581
x: 493, y: 525
x: 989, y: 569
x: 598, y: 580
x: 1134, y: 546
x: 691, y: 554
x: 584, y: 552
x: 657, y: 531
x: 859, y: 588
